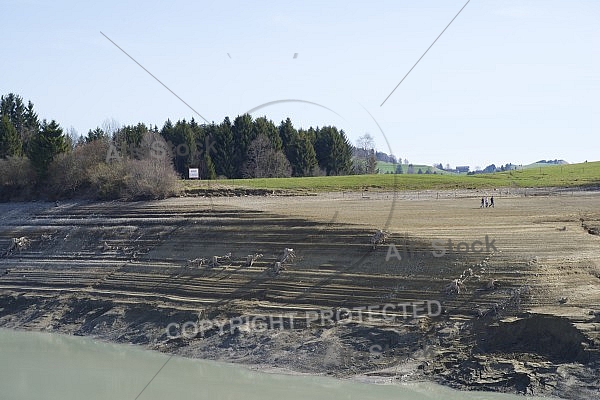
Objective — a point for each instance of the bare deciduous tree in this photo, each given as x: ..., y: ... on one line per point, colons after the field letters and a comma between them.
x: 365, y: 161
x: 366, y: 142
x: 264, y: 161
x: 110, y: 126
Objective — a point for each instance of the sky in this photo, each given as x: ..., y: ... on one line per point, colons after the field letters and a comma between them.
x: 508, y: 81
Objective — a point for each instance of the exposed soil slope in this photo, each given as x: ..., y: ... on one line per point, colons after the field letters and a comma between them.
x: 526, y: 318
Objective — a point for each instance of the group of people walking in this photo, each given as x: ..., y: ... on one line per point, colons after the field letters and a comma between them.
x: 485, y: 203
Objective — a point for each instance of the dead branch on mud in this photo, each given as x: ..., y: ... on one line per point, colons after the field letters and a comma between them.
x: 288, y: 256
x: 197, y: 262
x: 379, y: 237
x: 17, y: 244
x: 277, y: 268
x: 454, y: 287
x: 457, y: 285
x: 511, y: 304
x: 251, y: 258
x: 217, y: 261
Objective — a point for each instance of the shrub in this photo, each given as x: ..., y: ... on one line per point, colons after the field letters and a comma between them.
x: 84, y: 172
x: 108, y: 181
x: 70, y: 173
x: 150, y: 177
x: 17, y: 178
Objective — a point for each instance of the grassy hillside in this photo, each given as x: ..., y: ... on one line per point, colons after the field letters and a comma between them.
x: 543, y: 164
x: 390, y: 167
x: 385, y: 167
x: 572, y: 175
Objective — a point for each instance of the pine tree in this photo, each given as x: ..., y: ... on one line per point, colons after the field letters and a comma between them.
x: 302, y: 156
x: 207, y: 167
x: 263, y: 126
x: 96, y: 134
x: 45, y: 145
x: 24, y: 119
x: 131, y: 136
x: 287, y: 133
x: 182, y: 139
x: 344, y: 154
x: 291, y: 146
x: 333, y: 151
x: 12, y: 106
x: 243, y: 134
x: 221, y: 138
x: 10, y: 142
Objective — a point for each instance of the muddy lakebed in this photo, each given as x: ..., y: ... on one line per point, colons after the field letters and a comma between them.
x: 503, y: 299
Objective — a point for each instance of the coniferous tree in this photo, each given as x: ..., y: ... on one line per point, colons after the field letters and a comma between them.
x: 128, y: 140
x: 334, y: 152
x: 31, y: 126
x: 344, y: 154
x: 289, y: 140
x: 302, y: 156
x: 311, y: 134
x: 204, y: 149
x: 10, y: 142
x: 287, y: 132
x: 181, y: 138
x: 221, y: 139
x: 45, y: 145
x: 243, y: 134
x: 12, y: 106
x: 96, y: 134
x: 206, y: 167
x: 322, y: 145
x: 23, y: 118
x: 263, y: 126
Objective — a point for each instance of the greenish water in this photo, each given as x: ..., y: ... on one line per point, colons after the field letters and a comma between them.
x: 46, y: 366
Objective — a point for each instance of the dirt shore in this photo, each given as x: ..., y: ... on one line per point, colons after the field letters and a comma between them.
x: 523, y: 314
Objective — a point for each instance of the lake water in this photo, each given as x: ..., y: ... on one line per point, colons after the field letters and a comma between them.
x: 47, y: 366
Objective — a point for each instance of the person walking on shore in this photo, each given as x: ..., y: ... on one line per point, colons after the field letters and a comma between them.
x: 481, y: 206
x: 492, y: 201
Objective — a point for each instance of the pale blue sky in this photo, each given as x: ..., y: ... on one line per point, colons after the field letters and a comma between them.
x: 509, y: 81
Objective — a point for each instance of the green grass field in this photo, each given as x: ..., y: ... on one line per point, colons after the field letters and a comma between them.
x: 390, y: 167
x: 572, y: 175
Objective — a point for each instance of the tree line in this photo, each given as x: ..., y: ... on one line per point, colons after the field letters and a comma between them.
x: 38, y: 156
x: 244, y: 148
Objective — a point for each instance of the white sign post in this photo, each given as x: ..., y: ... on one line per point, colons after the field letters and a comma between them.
x: 194, y: 173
